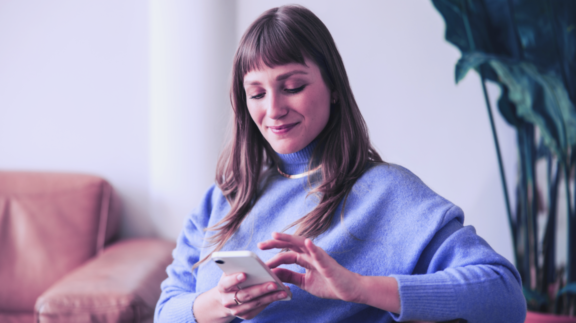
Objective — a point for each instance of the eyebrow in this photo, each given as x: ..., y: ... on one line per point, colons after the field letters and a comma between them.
x: 281, y: 77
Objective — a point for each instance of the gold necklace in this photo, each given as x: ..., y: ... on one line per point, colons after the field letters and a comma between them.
x: 298, y: 175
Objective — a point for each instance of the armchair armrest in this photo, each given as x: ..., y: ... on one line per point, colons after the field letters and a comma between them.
x: 120, y: 284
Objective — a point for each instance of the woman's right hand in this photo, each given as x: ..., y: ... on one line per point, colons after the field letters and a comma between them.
x: 252, y: 300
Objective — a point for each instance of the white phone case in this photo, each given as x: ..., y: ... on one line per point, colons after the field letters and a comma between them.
x: 257, y: 272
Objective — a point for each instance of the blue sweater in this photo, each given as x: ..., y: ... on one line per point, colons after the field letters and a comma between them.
x: 394, y: 225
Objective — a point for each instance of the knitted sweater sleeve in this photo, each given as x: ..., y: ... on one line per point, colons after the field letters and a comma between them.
x: 179, y: 289
x: 460, y: 276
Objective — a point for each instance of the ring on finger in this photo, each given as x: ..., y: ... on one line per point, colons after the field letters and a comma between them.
x: 236, y: 298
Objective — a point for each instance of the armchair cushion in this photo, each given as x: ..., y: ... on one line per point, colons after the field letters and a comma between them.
x: 122, y: 284
x: 50, y: 224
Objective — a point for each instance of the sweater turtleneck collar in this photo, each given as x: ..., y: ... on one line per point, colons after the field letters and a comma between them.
x: 296, y: 163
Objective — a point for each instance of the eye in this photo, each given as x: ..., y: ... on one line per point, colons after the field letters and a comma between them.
x: 257, y: 96
x: 296, y: 90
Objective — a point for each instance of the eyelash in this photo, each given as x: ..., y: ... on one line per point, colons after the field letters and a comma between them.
x: 289, y: 91
x: 296, y: 90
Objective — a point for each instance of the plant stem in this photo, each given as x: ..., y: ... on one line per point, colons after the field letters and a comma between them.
x: 571, y: 239
x: 530, y: 159
x: 572, y: 215
x: 525, y: 139
x: 500, y: 164
x: 549, y: 243
x: 570, y: 236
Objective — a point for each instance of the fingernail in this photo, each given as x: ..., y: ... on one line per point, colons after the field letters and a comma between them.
x: 240, y: 277
x: 282, y: 295
x: 271, y: 287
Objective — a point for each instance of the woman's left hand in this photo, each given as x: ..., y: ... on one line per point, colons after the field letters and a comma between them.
x: 324, y: 277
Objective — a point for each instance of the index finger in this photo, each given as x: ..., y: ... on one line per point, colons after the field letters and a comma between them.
x: 288, y: 238
x: 283, y: 240
x: 277, y: 244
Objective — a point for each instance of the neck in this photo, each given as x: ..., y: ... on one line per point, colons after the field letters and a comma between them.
x: 298, y: 162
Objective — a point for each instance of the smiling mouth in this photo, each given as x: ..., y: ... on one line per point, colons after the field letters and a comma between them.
x: 279, y: 130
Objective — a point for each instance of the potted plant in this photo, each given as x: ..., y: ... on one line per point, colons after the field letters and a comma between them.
x: 528, y: 48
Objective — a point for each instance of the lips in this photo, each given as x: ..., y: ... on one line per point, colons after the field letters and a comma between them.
x: 282, y: 129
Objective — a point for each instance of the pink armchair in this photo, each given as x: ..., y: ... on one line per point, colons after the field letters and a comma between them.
x: 59, y: 261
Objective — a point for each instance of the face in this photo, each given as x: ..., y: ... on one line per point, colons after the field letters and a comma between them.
x: 290, y: 104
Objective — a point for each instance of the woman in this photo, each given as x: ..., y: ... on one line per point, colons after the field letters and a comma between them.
x: 365, y: 241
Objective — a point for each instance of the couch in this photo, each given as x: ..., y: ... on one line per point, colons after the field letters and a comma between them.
x: 60, y: 258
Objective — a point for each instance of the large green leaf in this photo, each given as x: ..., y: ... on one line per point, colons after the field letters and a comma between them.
x: 541, y: 100
x: 528, y: 47
x: 536, y: 97
x: 557, y: 103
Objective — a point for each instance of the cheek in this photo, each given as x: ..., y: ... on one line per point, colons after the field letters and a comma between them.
x: 255, y: 113
x: 323, y: 117
x: 319, y: 110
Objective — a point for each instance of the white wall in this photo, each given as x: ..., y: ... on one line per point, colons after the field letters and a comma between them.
x: 74, y: 94
x: 191, y: 49
x: 137, y: 92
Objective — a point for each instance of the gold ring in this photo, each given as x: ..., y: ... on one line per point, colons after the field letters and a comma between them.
x: 236, y: 298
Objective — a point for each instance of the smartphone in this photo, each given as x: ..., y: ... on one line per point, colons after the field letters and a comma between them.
x: 257, y: 272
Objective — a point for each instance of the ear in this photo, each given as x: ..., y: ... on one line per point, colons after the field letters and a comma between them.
x: 334, y: 97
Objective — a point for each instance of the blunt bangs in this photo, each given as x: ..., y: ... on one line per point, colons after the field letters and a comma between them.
x: 271, y: 42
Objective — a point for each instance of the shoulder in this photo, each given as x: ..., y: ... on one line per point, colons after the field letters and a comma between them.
x: 390, y: 174
x: 400, y: 193
x: 395, y: 181
x: 397, y: 212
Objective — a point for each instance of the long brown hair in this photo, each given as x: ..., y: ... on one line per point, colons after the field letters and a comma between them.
x: 280, y: 36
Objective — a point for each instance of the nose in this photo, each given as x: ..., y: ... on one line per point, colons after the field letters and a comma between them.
x: 276, y: 107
